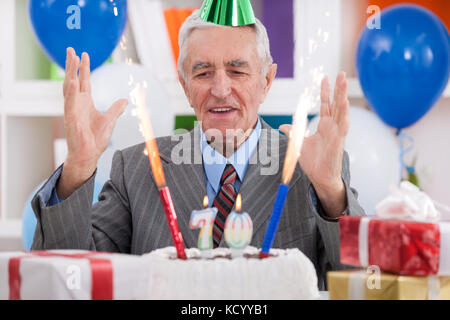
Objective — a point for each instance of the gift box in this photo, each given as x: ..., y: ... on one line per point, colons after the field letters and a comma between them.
x: 406, y: 237
x: 401, y: 247
x: 72, y: 274
x: 373, y: 285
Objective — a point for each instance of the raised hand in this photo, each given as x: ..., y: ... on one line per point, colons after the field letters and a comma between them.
x: 322, y: 153
x: 88, y: 131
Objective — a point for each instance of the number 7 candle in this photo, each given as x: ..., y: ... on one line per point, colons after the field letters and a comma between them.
x: 296, y: 136
x: 204, y: 219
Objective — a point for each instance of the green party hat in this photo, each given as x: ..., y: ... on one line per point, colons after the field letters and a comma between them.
x: 228, y: 12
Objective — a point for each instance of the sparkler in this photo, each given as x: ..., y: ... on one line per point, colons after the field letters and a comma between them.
x: 138, y: 98
x: 307, y: 100
x: 296, y: 136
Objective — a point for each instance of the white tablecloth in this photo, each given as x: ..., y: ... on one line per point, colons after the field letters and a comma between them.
x: 324, y: 295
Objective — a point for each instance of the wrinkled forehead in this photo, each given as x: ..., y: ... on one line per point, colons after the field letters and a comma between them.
x: 232, y: 46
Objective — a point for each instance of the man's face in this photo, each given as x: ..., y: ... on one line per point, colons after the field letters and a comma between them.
x: 224, y: 83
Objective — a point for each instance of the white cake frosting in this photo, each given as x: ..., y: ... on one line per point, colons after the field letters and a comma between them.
x: 287, y: 274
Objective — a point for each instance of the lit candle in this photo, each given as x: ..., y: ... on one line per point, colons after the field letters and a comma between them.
x: 238, y: 230
x: 204, y: 219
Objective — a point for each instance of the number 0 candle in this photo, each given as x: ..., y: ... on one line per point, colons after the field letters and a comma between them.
x: 238, y: 229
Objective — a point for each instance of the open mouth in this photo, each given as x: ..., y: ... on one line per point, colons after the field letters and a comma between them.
x: 222, y: 110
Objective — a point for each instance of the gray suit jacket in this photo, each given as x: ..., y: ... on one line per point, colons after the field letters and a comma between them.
x: 129, y: 217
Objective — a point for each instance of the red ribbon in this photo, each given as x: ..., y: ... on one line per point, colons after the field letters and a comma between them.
x: 101, y: 273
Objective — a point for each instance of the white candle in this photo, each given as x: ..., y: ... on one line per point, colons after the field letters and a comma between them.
x: 238, y: 230
x: 204, y: 219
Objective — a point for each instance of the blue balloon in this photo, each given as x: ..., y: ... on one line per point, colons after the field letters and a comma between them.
x: 403, y: 68
x: 90, y: 26
x: 446, y: 32
x: 29, y: 219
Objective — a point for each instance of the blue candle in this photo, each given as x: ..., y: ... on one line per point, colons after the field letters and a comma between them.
x: 274, y: 220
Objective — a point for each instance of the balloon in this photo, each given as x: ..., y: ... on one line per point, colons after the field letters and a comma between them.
x: 111, y: 82
x: 441, y: 8
x: 86, y: 25
x: 403, y: 67
x: 29, y: 219
x: 446, y: 33
x: 374, y: 157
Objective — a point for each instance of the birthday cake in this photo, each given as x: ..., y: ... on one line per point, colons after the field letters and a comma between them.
x: 286, y: 274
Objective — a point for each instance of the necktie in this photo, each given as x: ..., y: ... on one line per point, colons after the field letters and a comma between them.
x: 224, y: 202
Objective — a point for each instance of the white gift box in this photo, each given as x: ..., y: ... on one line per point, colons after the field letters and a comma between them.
x: 70, y: 274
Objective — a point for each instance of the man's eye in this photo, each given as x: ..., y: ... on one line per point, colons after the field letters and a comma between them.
x: 237, y: 72
x: 203, y: 74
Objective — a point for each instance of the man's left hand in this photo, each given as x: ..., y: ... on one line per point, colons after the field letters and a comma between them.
x: 322, y: 153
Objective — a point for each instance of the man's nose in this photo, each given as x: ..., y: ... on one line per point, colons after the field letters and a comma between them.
x: 221, y: 86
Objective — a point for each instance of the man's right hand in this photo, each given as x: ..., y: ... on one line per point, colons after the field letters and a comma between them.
x: 88, y: 131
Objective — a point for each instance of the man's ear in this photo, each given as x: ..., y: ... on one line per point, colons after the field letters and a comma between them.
x: 269, y: 77
x: 183, y: 84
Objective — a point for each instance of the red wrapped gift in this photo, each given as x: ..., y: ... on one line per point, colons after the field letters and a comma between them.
x: 401, y: 247
x: 101, y: 272
x: 72, y: 274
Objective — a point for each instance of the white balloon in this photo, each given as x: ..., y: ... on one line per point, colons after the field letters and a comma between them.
x: 114, y: 81
x: 374, y: 157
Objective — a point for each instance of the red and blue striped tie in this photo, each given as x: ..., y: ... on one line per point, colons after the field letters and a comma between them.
x: 224, y: 202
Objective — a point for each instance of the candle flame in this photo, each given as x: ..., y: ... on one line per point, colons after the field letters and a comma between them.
x: 205, y: 201
x: 138, y: 96
x: 238, y: 202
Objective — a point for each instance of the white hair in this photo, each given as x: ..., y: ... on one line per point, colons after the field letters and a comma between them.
x: 194, y: 21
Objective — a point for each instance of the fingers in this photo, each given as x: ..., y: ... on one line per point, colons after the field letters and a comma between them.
x: 72, y: 63
x: 285, y: 128
x: 69, y: 57
x: 340, y: 93
x: 341, y: 103
x: 70, y: 97
x: 69, y: 54
x: 85, y: 71
x: 325, y: 98
x: 116, y: 109
x: 71, y: 86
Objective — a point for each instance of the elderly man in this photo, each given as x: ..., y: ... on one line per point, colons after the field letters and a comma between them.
x: 226, y: 73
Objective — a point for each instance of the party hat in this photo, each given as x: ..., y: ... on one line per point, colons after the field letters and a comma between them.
x: 228, y: 12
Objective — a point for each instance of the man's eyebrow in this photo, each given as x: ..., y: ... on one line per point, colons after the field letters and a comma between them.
x: 237, y: 63
x: 201, y: 65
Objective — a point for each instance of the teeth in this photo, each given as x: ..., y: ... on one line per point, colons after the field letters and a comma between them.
x: 221, y: 109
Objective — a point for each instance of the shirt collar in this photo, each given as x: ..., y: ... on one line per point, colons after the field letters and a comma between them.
x: 214, y: 162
